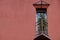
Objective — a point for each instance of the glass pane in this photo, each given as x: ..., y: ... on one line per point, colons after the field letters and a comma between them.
x: 41, y: 23
x: 37, y: 17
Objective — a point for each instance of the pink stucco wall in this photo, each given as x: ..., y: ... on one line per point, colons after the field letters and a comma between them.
x: 17, y: 19
x: 54, y: 19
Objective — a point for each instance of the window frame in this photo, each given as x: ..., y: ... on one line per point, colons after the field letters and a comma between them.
x: 44, y: 11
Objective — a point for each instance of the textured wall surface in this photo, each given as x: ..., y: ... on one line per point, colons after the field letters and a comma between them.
x: 54, y: 19
x: 17, y: 19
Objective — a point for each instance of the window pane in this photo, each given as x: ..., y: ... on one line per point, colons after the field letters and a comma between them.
x: 41, y: 23
x: 37, y: 17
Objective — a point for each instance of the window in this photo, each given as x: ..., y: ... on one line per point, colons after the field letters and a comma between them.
x: 41, y: 21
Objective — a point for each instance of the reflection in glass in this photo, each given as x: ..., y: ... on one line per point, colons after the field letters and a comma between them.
x: 41, y: 23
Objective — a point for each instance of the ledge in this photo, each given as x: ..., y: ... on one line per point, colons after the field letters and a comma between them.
x: 42, y: 37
